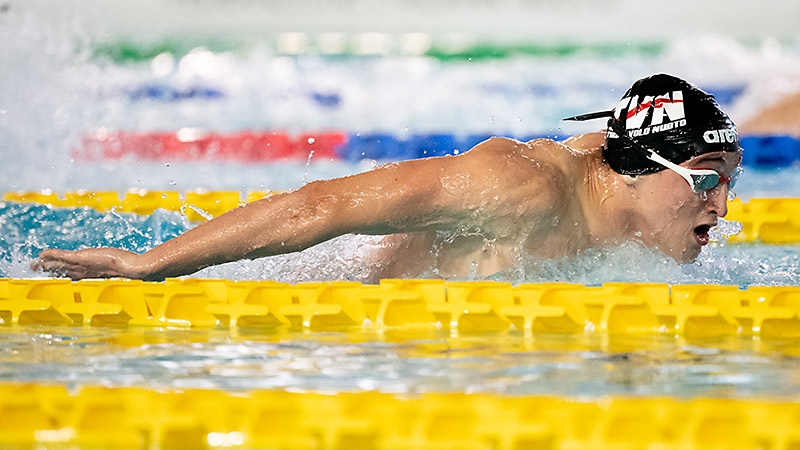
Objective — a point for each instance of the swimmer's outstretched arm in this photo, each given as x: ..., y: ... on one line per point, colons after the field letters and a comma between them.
x: 399, y: 197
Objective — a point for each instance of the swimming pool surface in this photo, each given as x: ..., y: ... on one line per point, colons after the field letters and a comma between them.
x: 402, y: 362
x: 55, y: 88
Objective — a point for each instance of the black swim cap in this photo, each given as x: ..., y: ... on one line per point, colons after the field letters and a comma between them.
x: 669, y: 115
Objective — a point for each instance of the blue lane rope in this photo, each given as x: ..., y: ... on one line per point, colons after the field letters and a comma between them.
x: 771, y: 151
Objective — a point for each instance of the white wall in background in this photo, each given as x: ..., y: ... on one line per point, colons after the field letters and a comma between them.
x: 497, y: 20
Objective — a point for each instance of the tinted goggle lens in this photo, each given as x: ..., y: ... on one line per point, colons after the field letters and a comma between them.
x: 706, y: 182
x: 701, y: 183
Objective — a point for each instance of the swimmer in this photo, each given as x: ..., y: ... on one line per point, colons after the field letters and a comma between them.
x: 660, y: 175
x: 780, y: 118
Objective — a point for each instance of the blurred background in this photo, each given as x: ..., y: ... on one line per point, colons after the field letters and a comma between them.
x: 108, y: 95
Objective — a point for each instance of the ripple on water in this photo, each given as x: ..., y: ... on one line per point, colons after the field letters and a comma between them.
x: 428, y: 362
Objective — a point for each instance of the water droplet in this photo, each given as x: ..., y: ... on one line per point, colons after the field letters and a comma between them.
x: 308, y: 164
x: 731, y: 196
x: 724, y: 230
x: 311, y: 140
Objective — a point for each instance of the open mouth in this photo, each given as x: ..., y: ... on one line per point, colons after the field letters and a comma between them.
x: 701, y: 234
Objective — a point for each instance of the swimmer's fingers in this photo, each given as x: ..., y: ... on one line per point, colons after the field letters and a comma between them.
x: 89, y: 263
x: 64, y: 264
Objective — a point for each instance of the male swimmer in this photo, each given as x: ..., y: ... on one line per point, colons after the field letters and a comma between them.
x: 659, y: 175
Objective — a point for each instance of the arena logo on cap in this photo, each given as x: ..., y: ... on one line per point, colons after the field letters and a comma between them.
x: 721, y: 136
x: 655, y: 107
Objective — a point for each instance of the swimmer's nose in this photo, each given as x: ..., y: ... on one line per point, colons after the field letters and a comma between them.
x: 718, y: 200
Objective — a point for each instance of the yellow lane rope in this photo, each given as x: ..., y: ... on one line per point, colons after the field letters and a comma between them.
x: 693, y: 311
x: 766, y: 220
x: 38, y: 416
x: 197, y: 205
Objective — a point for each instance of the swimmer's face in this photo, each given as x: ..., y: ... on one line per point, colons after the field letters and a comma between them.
x: 677, y: 219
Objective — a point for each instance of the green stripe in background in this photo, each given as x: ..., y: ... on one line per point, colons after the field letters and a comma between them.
x: 480, y: 52
x: 128, y: 51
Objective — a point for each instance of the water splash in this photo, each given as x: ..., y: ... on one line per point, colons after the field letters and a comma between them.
x: 630, y: 262
x: 28, y: 229
x: 733, y: 264
x: 724, y: 230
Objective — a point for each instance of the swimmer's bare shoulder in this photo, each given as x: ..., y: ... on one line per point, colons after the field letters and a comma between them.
x: 522, y: 178
x: 574, y: 156
x: 520, y: 161
x: 498, y: 178
x: 565, y: 164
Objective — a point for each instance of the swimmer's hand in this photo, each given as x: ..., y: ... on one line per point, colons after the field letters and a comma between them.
x: 90, y: 263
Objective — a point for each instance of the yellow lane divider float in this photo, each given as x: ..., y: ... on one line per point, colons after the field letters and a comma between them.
x: 36, y: 416
x: 197, y: 205
x: 767, y: 220
x: 463, y: 306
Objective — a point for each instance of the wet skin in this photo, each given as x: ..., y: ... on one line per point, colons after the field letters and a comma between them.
x: 468, y: 215
x: 660, y: 210
x: 677, y: 219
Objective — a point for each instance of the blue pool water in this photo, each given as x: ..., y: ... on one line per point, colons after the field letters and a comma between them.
x: 52, y: 91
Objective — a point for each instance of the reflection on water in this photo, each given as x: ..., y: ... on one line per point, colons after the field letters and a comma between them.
x: 403, y: 362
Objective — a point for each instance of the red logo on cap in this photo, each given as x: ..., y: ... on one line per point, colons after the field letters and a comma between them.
x: 656, y: 107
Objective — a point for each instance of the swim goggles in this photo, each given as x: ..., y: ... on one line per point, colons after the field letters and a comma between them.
x: 700, y: 180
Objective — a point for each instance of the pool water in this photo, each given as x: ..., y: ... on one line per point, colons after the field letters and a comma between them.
x: 53, y: 89
x: 401, y: 362
x: 30, y: 228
